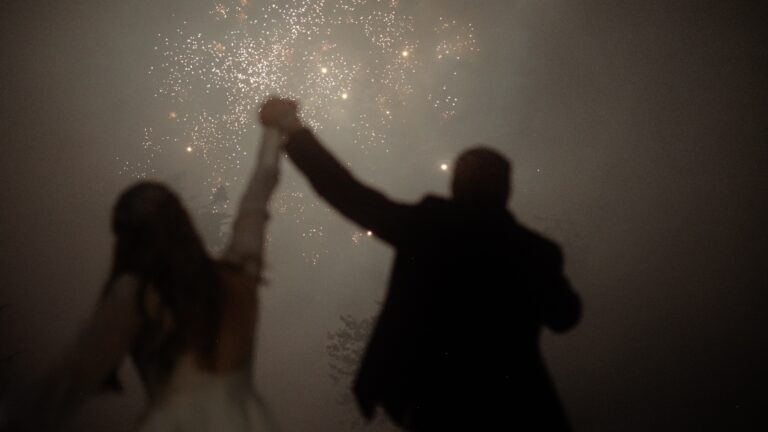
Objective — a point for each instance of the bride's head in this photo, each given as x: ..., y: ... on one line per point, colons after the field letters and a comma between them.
x: 153, y: 230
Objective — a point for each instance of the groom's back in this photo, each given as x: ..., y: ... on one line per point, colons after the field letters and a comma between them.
x: 462, y: 318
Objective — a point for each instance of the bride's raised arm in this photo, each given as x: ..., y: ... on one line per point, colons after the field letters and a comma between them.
x: 247, y: 241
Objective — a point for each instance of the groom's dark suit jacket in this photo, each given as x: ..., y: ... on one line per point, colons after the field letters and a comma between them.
x: 457, y: 338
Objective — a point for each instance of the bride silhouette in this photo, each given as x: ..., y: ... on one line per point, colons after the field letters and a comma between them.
x: 187, y: 320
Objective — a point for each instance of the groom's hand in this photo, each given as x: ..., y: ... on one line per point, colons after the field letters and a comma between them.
x: 281, y: 114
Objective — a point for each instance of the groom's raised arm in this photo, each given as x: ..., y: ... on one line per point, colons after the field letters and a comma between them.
x: 363, y: 204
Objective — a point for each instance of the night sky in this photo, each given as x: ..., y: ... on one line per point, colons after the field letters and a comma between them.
x: 639, y: 141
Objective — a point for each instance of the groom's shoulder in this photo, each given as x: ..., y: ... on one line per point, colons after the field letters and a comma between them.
x: 434, y: 203
x: 430, y: 209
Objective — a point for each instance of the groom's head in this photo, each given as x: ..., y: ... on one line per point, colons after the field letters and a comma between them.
x: 481, y: 178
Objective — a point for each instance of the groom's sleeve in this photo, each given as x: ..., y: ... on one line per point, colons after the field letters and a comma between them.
x: 364, y: 205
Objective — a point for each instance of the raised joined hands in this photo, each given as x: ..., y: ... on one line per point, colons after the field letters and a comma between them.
x: 281, y: 114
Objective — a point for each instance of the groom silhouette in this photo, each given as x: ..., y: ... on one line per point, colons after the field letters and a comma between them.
x: 456, y: 344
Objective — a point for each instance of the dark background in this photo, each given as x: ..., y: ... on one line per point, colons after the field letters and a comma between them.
x: 640, y: 143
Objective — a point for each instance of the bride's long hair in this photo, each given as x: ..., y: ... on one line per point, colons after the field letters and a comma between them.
x: 156, y: 241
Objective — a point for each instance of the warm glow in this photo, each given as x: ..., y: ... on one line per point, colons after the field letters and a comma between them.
x: 444, y: 167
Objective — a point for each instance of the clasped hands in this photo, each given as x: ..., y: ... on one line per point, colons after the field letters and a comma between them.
x: 281, y: 114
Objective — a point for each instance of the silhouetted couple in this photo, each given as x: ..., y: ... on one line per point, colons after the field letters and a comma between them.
x: 456, y: 346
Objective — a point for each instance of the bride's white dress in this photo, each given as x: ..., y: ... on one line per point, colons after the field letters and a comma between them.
x: 200, y: 401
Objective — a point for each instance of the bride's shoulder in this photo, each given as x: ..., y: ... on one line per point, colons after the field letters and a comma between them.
x: 129, y: 290
x: 235, y: 275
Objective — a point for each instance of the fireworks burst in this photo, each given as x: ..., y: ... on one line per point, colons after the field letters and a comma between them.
x: 352, y: 64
